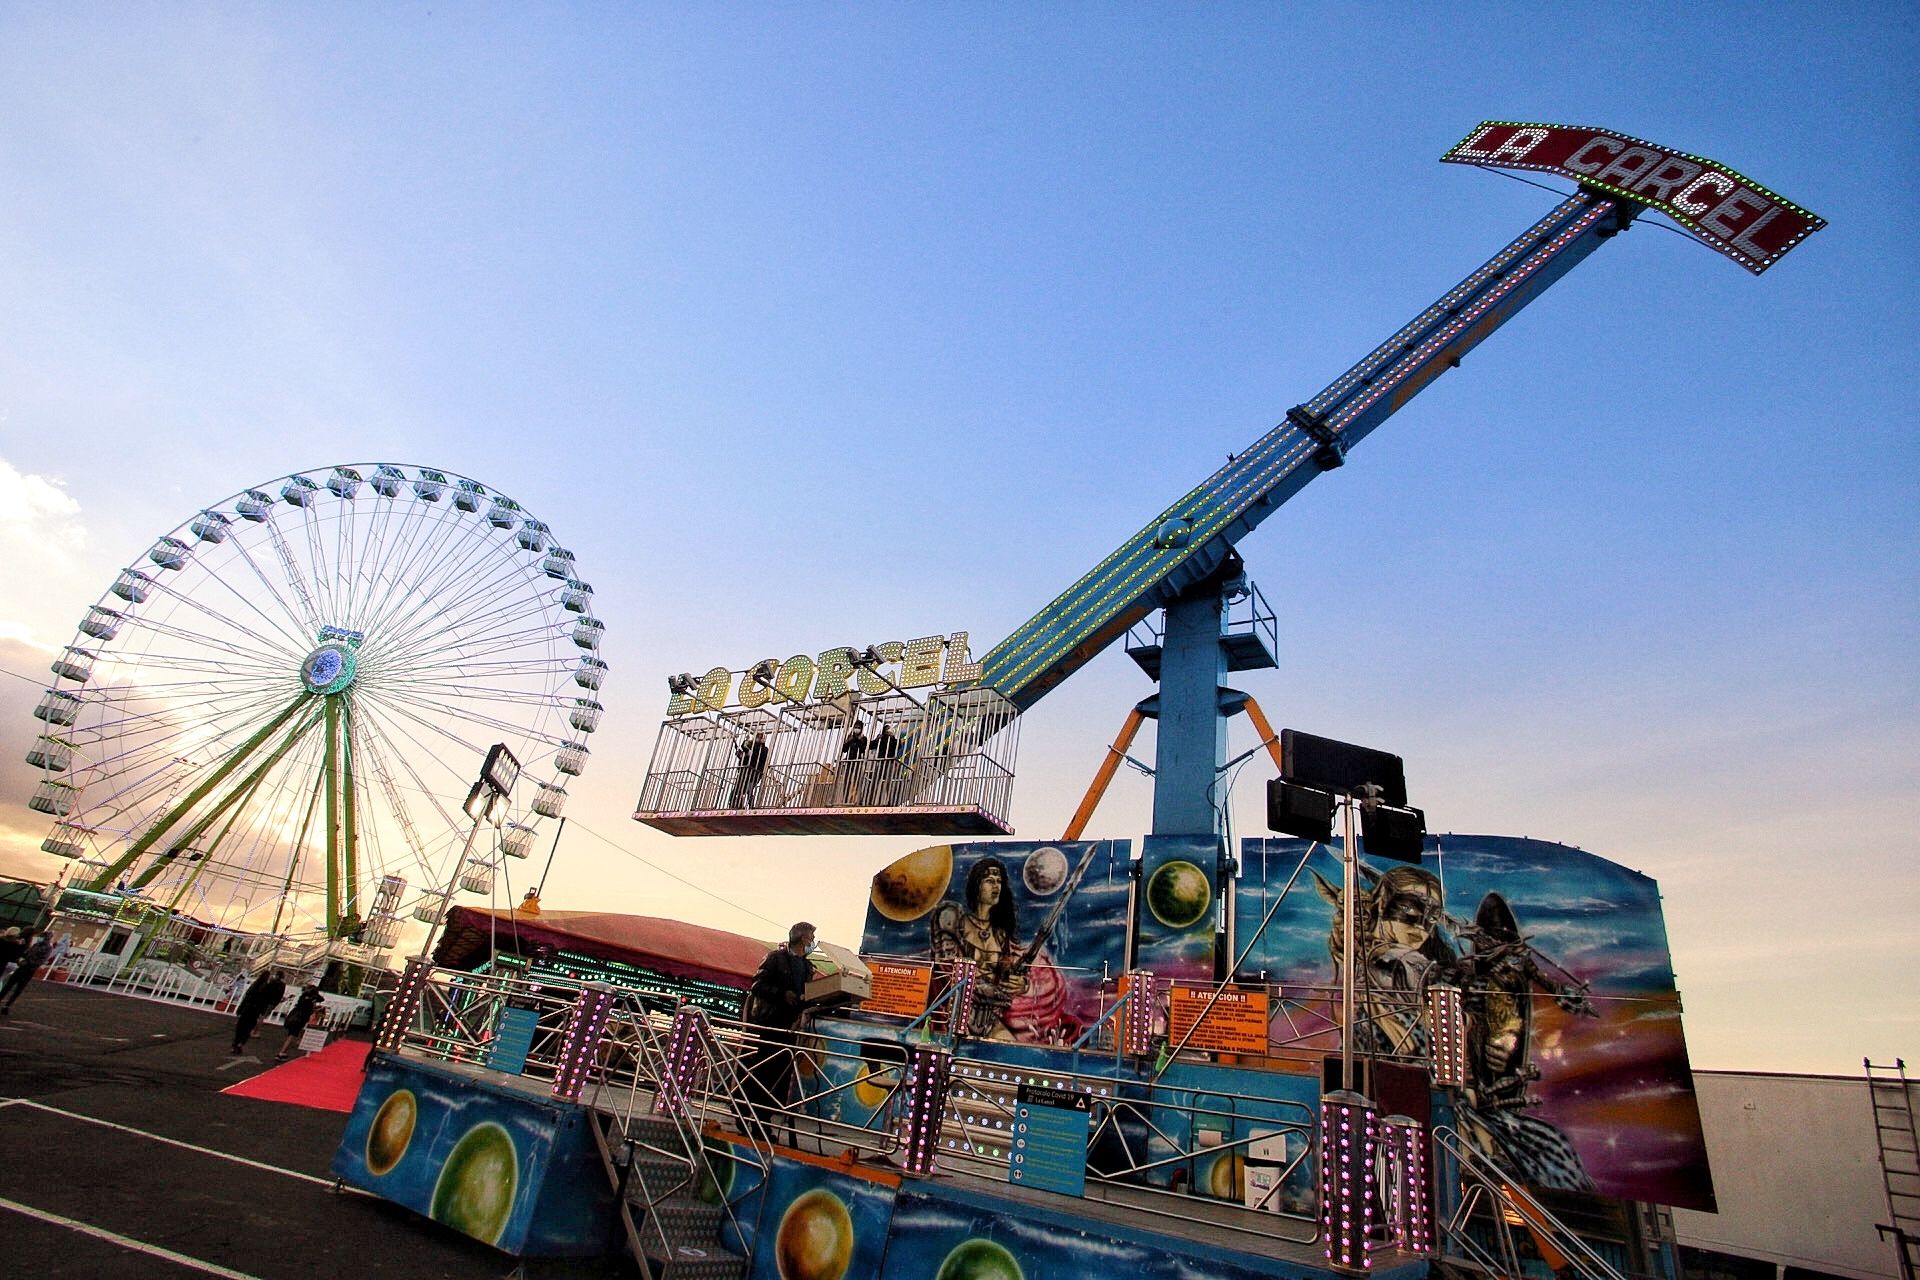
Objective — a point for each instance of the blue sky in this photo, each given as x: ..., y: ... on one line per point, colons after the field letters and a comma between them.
x: 805, y: 325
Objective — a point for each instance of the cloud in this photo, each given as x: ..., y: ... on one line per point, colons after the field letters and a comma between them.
x: 42, y: 539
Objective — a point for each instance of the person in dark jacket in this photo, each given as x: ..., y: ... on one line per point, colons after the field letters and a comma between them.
x: 261, y: 999
x: 23, y: 971
x: 298, y: 1017
x: 775, y: 1001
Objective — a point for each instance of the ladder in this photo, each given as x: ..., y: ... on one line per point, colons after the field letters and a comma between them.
x: 1893, y: 1130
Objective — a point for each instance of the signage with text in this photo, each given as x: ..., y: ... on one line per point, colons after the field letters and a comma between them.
x: 930, y: 661
x: 1230, y: 1021
x: 1726, y: 209
x: 898, y: 989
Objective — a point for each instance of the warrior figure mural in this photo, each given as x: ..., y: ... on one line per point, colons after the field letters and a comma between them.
x: 1405, y: 943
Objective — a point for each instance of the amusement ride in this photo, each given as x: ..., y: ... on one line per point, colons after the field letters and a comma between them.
x: 268, y: 720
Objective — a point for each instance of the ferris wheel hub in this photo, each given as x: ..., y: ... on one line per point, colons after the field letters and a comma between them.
x: 329, y: 668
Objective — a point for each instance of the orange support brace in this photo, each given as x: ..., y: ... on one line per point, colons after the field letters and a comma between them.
x: 1268, y: 738
x: 1104, y: 775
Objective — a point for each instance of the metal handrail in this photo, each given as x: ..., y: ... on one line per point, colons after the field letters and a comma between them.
x: 1485, y: 1185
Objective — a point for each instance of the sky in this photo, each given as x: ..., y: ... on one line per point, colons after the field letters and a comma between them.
x: 814, y: 325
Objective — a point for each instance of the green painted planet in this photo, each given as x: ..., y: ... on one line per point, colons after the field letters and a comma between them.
x: 475, y: 1192
x: 391, y: 1131
x: 716, y: 1175
x: 1179, y: 894
x: 979, y: 1259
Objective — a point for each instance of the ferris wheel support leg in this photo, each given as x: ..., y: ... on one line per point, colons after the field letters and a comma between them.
x: 166, y: 820
x: 231, y: 800
x: 330, y: 770
x: 348, y: 919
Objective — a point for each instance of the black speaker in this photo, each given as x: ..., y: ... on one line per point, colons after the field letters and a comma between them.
x: 1299, y: 811
x: 1341, y: 766
x: 1400, y: 834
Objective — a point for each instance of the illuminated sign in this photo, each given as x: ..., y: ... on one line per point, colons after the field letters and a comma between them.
x: 1727, y: 210
x: 941, y: 661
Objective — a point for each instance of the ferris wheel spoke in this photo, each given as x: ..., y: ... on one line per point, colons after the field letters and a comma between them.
x: 285, y: 620
x: 469, y: 714
x: 290, y: 565
x: 300, y: 611
x: 446, y: 581
x: 366, y: 567
x: 420, y: 566
x: 472, y: 619
x: 187, y: 635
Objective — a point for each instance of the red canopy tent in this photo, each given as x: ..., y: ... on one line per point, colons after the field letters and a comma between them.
x: 671, y: 947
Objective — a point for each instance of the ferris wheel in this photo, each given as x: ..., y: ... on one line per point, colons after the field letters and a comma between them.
x: 271, y: 720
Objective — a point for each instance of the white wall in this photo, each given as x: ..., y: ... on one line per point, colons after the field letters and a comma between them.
x: 1796, y: 1172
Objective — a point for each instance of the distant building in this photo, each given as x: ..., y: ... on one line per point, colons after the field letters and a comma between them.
x: 1796, y: 1169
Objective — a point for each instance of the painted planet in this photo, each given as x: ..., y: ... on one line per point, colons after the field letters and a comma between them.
x: 815, y: 1240
x: 475, y: 1191
x: 909, y: 888
x: 1179, y: 894
x: 1227, y: 1177
x: 716, y: 1176
x: 872, y: 1086
x: 979, y: 1259
x: 391, y: 1131
x: 1044, y: 871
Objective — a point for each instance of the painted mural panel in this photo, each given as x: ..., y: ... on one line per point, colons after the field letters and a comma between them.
x: 500, y: 1167
x: 816, y: 1225
x: 1045, y: 921
x: 1174, y: 926
x: 943, y: 1238
x: 1578, y: 1071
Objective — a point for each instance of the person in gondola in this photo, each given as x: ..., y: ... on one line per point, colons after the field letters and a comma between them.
x: 753, y: 767
x: 853, y: 751
x: 886, y: 767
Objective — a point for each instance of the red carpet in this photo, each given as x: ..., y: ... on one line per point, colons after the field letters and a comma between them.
x: 327, y: 1081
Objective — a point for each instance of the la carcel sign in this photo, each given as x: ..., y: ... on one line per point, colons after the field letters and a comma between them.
x: 1726, y: 209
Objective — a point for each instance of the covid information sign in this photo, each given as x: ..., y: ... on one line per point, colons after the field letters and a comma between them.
x: 1050, y: 1139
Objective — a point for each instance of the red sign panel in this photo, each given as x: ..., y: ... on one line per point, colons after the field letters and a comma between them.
x: 1729, y: 211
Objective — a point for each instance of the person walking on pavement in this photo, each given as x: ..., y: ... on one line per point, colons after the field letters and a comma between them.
x: 24, y: 971
x: 262, y: 997
x: 298, y: 1017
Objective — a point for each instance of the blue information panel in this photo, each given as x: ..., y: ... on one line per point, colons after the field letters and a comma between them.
x: 1050, y: 1139
x: 512, y: 1039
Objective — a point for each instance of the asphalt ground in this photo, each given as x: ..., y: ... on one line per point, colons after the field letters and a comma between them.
x: 120, y: 1157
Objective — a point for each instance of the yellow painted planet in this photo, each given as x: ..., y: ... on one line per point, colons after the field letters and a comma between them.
x: 1227, y: 1177
x: 909, y: 888
x: 391, y: 1131
x: 1179, y: 894
x: 980, y: 1259
x: 815, y: 1240
x: 475, y: 1192
x: 872, y: 1086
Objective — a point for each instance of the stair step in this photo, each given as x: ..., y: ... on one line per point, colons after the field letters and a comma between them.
x: 699, y: 1262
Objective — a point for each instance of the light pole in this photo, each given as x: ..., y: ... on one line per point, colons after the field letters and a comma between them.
x: 486, y: 800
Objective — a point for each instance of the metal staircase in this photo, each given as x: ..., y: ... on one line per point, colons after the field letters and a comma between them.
x: 672, y: 1228
x: 1893, y: 1130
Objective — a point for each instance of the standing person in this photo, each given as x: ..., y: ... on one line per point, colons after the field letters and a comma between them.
x: 12, y: 947
x: 266, y: 992
x: 298, y: 1017
x: 23, y: 971
x: 886, y: 767
x: 774, y: 1003
x: 853, y: 750
x: 753, y: 767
